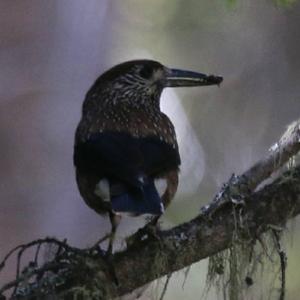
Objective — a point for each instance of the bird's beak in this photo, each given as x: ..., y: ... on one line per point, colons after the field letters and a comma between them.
x: 177, y: 78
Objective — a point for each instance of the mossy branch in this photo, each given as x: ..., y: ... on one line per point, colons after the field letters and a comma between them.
x: 239, y: 204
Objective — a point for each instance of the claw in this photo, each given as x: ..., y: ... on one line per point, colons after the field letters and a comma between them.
x: 151, y: 229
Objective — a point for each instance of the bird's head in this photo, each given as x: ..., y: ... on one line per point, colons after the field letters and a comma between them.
x: 140, y: 82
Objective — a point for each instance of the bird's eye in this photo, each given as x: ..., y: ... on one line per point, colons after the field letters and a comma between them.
x: 146, y: 72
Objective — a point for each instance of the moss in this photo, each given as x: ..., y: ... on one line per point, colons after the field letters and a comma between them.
x: 245, y: 264
x: 98, y: 287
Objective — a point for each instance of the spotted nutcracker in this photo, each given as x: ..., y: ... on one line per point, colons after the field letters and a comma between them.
x: 124, y: 143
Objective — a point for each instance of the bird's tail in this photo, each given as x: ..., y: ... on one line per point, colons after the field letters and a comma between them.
x: 149, y: 202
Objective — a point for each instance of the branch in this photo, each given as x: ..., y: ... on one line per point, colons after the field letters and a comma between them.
x: 148, y: 257
x: 200, y: 238
x: 242, y: 186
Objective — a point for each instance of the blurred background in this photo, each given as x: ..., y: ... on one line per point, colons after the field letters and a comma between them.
x: 52, y: 51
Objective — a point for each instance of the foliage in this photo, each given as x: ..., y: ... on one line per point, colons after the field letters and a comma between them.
x: 244, y: 269
x: 285, y: 3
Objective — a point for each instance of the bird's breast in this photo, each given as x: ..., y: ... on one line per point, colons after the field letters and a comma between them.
x: 137, y: 123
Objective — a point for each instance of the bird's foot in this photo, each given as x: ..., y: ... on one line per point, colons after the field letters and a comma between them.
x: 149, y: 231
x: 107, y: 255
x: 96, y: 248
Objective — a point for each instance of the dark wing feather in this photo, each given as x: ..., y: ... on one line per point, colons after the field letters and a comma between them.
x: 159, y: 157
x: 123, y: 157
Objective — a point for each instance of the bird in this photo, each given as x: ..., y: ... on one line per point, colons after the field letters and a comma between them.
x: 124, y: 143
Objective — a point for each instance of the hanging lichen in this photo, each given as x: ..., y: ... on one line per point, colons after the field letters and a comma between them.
x: 249, y: 267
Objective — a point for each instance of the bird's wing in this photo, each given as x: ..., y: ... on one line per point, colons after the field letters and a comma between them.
x: 109, y: 154
x: 124, y: 157
x: 159, y: 156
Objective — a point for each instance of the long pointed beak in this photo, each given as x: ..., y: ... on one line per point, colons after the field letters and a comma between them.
x: 177, y: 78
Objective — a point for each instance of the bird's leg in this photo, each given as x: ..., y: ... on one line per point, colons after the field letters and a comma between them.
x: 96, y: 248
x: 150, y: 229
x: 115, y: 221
x: 154, y: 221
